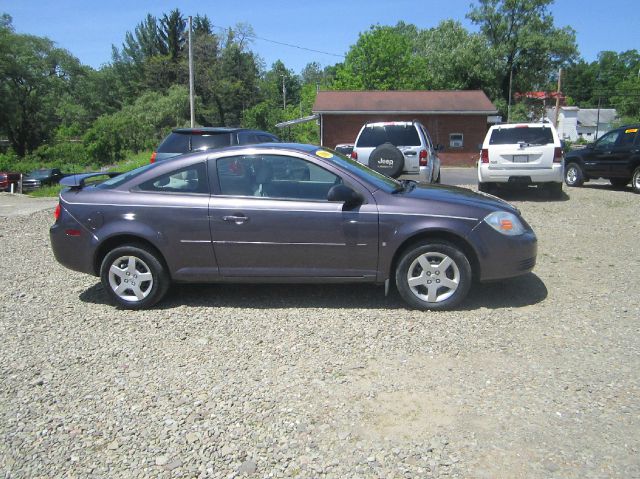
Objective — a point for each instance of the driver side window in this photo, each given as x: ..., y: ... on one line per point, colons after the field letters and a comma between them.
x: 608, y: 140
x: 274, y: 176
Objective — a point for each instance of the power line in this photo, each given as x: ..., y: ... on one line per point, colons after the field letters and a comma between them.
x: 285, y: 44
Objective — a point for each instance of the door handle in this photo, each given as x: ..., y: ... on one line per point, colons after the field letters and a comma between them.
x: 235, y: 219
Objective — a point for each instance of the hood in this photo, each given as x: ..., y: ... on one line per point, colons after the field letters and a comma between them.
x: 459, y: 196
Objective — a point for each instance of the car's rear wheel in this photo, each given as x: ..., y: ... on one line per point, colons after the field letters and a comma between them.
x: 573, y: 175
x: 485, y: 187
x: 133, y: 277
x: 635, y: 180
x: 619, y: 182
x: 433, y: 275
x: 555, y: 190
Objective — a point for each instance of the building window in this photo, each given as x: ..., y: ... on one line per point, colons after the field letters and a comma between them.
x: 456, y: 140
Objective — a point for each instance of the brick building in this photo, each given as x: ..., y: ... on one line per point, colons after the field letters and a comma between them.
x: 458, y: 120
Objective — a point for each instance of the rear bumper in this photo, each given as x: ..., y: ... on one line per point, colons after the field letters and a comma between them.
x: 500, y: 174
x: 73, y: 245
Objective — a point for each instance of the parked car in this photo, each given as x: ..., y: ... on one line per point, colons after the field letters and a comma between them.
x: 344, y: 148
x: 187, y: 140
x: 615, y: 156
x: 397, y: 148
x: 285, y: 213
x: 42, y: 177
x: 521, y: 154
x: 7, y: 179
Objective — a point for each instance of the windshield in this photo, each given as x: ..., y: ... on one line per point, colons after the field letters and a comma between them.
x: 40, y: 174
x: 381, y: 181
x: 397, y: 135
x: 523, y: 134
x: 123, y: 178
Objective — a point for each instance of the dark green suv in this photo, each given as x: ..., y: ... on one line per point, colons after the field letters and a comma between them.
x: 615, y: 157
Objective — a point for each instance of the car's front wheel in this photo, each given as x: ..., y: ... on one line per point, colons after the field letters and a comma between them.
x: 635, y: 180
x: 573, y: 175
x: 433, y: 275
x: 134, y: 277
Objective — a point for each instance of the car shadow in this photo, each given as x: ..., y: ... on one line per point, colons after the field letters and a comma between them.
x: 518, y: 292
x: 607, y: 186
x: 527, y: 194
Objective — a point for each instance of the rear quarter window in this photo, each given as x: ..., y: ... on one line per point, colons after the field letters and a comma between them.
x: 512, y: 136
x: 175, y: 143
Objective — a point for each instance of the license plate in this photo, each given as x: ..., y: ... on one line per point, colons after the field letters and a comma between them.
x: 520, y: 158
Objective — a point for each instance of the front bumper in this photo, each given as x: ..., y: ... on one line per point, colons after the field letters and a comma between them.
x: 501, y: 256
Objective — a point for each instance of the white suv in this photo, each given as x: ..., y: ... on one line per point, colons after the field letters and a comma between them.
x: 397, y: 148
x: 524, y: 153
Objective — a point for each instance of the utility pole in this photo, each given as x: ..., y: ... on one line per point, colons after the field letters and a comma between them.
x: 191, y: 103
x: 284, y: 94
x: 555, y: 121
x: 509, y: 103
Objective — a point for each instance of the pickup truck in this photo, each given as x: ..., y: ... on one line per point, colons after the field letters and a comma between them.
x: 7, y: 179
x: 42, y: 177
x: 615, y: 156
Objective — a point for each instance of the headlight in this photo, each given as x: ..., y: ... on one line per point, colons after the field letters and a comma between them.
x: 505, y: 223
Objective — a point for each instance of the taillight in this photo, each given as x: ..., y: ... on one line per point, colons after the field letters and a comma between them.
x: 153, y: 157
x: 484, y: 155
x: 557, y: 155
x: 56, y: 212
x: 423, y: 157
x: 354, y: 155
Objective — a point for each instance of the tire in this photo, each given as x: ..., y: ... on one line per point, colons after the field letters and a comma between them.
x: 145, y: 276
x: 619, y: 182
x: 573, y: 175
x: 387, y: 159
x: 485, y: 187
x: 635, y: 180
x: 555, y: 190
x: 420, y: 273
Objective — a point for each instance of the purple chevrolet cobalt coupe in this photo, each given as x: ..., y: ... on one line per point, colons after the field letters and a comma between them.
x: 284, y: 213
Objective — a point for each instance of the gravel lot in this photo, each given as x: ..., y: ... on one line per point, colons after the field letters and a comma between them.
x: 537, y: 377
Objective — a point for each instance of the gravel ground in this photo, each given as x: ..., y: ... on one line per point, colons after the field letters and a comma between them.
x: 537, y: 377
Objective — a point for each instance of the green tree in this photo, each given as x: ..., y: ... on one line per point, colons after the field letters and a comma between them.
x: 35, y: 76
x: 383, y: 58
x: 455, y: 58
x: 525, y: 43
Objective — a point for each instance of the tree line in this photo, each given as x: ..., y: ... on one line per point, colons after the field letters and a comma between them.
x: 54, y: 109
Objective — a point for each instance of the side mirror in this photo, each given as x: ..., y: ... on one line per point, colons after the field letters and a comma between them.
x: 344, y: 194
x: 590, y: 146
x: 439, y: 147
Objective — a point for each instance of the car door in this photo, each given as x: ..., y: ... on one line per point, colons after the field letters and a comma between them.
x: 620, y: 161
x: 598, y: 161
x: 176, y: 204
x: 270, y: 218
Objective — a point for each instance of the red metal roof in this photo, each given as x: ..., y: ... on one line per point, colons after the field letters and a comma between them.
x: 450, y: 101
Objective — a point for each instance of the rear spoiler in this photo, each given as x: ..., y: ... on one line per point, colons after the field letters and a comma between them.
x: 77, y: 181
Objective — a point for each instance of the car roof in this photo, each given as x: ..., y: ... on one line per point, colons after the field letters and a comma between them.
x: 386, y: 123
x: 522, y: 125
x: 214, y: 129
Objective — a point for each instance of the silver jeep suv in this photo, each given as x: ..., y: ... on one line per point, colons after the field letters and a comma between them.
x: 397, y: 148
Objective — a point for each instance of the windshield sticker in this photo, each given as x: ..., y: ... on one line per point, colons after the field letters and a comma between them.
x: 631, y: 130
x: 324, y: 154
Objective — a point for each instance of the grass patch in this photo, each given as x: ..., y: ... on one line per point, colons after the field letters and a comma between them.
x: 46, y: 191
x: 134, y: 160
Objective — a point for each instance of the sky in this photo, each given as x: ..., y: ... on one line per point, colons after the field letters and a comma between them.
x: 88, y: 28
